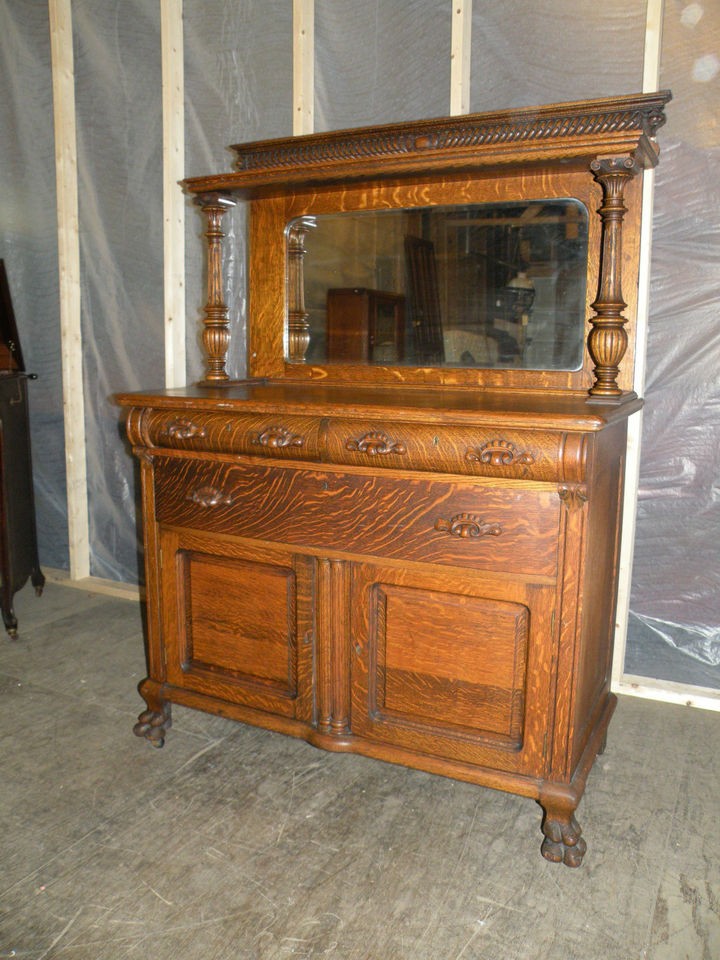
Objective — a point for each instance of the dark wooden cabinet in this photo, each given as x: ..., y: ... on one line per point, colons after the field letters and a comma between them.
x: 414, y: 563
x: 18, y: 538
x: 366, y: 326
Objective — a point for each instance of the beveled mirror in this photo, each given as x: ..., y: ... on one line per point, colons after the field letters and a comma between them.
x: 494, y: 285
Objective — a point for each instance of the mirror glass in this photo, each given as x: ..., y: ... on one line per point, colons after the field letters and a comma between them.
x: 480, y: 285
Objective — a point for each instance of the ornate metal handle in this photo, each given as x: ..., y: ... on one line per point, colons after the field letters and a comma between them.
x: 499, y: 453
x: 375, y: 444
x: 277, y: 437
x: 209, y: 497
x: 467, y: 526
x: 183, y: 429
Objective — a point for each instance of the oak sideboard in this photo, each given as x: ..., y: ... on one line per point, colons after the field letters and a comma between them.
x: 411, y: 555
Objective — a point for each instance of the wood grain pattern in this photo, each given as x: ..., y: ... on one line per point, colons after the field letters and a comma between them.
x: 489, y: 409
x: 248, y: 647
x: 555, y: 131
x: 451, y: 660
x: 292, y: 437
x: 443, y: 665
x: 455, y: 449
x: 333, y: 648
x: 364, y: 513
x: 267, y: 280
x: 529, y: 455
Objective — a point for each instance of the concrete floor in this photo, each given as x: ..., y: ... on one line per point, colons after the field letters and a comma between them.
x: 233, y: 843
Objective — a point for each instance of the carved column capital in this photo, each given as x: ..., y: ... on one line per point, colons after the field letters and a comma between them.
x: 625, y: 166
x: 573, y: 495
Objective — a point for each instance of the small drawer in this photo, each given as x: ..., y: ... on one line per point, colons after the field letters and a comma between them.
x: 473, y: 451
x: 506, y: 527
x: 289, y: 437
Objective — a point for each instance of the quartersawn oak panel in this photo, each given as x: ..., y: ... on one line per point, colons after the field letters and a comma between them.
x: 237, y: 621
x: 251, y: 632
x: 392, y: 516
x: 451, y: 660
x: 450, y: 665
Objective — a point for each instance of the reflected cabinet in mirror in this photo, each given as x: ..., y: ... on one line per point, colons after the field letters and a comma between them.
x: 497, y: 285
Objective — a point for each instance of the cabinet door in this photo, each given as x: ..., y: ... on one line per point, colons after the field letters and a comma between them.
x: 237, y: 621
x: 453, y: 665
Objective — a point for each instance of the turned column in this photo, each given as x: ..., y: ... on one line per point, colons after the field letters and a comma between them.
x: 608, y: 340
x: 298, y: 326
x: 216, y: 335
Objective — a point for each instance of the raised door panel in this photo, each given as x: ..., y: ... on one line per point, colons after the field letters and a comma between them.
x: 238, y: 622
x: 452, y: 666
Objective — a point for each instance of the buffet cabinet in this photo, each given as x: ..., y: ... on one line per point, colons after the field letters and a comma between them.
x: 405, y: 556
x: 430, y: 593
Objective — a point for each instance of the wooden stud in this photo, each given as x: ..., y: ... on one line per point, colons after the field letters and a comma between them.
x: 171, y: 35
x: 63, y: 80
x: 303, y: 66
x: 651, y: 83
x: 666, y: 691
x: 460, y: 57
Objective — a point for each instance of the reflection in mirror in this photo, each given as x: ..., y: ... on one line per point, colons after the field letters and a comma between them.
x: 479, y: 285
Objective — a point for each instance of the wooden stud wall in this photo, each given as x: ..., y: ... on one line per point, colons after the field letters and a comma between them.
x: 63, y: 80
x: 173, y: 96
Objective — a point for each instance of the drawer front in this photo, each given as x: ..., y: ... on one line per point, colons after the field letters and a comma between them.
x: 474, y: 451
x: 280, y: 436
x: 507, y: 527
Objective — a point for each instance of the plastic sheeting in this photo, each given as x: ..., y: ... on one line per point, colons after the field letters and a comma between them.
x: 676, y: 579
x: 119, y: 117
x: 28, y: 244
x: 375, y: 62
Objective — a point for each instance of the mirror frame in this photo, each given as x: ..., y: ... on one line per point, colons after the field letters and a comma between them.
x: 268, y: 300
x: 593, y: 151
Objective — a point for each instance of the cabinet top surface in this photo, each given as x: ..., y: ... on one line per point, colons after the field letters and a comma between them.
x: 437, y: 405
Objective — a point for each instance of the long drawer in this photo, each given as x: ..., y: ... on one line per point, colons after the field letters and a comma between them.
x: 505, y: 526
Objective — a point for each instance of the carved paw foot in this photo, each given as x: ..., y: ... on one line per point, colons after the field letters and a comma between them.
x: 563, y: 842
x: 153, y: 724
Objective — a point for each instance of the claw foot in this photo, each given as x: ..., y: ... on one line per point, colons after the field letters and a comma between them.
x: 153, y: 724
x: 563, y: 842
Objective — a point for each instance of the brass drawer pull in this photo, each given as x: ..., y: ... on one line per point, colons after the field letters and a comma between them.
x: 468, y: 526
x: 498, y: 453
x: 275, y: 437
x: 375, y: 444
x: 183, y: 429
x: 209, y: 497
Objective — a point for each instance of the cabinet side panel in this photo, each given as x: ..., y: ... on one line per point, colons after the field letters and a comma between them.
x: 594, y: 656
